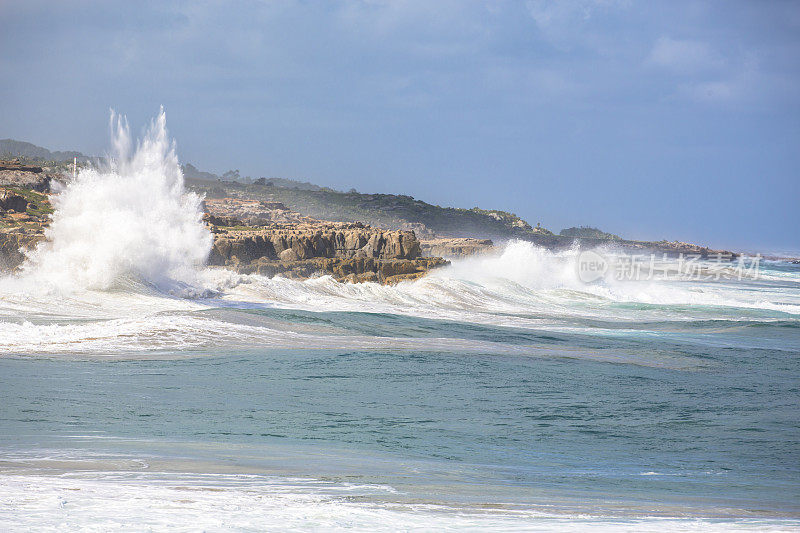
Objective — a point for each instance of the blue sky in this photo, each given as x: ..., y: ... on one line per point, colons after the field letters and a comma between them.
x: 676, y: 120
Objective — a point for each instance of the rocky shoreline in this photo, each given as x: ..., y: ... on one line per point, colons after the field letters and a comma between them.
x: 266, y: 237
x: 249, y: 236
x: 459, y: 247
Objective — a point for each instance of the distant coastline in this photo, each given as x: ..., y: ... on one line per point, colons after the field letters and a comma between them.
x: 244, y: 213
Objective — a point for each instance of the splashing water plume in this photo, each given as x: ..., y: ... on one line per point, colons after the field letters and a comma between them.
x: 129, y: 222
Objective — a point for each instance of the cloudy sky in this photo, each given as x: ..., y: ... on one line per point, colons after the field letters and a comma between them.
x: 670, y: 119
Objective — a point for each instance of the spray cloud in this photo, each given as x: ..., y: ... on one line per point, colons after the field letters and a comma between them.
x: 129, y: 221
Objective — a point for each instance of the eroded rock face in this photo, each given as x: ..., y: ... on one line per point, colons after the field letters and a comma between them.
x: 349, y: 252
x: 456, y: 247
x: 354, y: 270
x: 309, y: 241
x: 10, y: 201
x: 12, y: 247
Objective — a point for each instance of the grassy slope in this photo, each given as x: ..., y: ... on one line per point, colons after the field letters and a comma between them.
x: 393, y: 211
x: 39, y: 208
x: 387, y: 210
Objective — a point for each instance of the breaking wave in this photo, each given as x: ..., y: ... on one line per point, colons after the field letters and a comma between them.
x: 525, y: 280
x: 124, y: 221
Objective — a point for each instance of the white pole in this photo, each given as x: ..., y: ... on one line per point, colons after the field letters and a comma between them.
x: 74, y: 167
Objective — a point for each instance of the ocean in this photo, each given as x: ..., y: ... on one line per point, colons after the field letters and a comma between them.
x: 143, y: 391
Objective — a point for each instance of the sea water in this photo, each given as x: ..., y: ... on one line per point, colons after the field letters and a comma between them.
x: 142, y: 391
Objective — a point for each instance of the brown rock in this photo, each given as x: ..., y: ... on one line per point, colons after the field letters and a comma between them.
x: 288, y: 255
x: 10, y: 201
x: 12, y: 246
x: 456, y: 247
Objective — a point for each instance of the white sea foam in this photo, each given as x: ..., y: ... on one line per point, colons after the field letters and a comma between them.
x: 208, y: 502
x: 523, y: 287
x: 525, y: 281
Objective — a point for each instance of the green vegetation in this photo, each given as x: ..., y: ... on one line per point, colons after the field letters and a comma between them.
x: 384, y: 210
x: 587, y: 232
x: 38, y: 203
x: 10, y: 149
x: 237, y: 228
x: 192, y: 172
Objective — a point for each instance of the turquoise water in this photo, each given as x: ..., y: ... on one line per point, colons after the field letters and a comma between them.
x: 485, y: 396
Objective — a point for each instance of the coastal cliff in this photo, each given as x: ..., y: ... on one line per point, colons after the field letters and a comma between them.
x: 456, y: 248
x: 256, y: 231
x: 249, y: 236
x: 348, y: 252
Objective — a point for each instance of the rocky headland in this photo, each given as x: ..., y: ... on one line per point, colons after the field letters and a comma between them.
x: 249, y: 236
x: 267, y: 238
x: 439, y: 228
x: 268, y: 228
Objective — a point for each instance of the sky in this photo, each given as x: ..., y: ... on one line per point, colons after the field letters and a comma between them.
x: 667, y: 119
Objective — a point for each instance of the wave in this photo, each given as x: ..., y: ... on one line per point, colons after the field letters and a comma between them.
x: 523, y: 281
x: 127, y: 220
x: 523, y: 287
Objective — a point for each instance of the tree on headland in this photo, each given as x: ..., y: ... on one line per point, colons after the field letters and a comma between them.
x: 588, y: 232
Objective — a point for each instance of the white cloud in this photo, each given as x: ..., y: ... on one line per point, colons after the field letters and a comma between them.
x: 684, y: 56
x: 711, y: 91
x: 739, y: 80
x: 559, y: 21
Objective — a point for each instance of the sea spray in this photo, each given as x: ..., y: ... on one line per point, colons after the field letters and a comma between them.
x: 128, y: 220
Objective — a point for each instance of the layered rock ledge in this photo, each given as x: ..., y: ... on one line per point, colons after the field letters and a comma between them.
x: 13, y: 173
x: 457, y: 247
x: 249, y: 236
x: 348, y: 252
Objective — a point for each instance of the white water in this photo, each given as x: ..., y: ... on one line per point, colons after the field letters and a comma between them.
x: 197, y: 502
x: 523, y: 279
x: 131, y: 221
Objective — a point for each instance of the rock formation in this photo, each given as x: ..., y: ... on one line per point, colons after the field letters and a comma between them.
x: 10, y: 201
x: 456, y: 247
x: 12, y: 246
x: 348, y: 252
x: 249, y: 236
x: 15, y: 174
